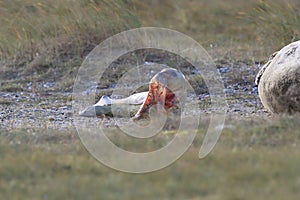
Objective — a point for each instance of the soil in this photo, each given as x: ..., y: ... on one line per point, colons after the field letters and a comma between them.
x: 26, y: 103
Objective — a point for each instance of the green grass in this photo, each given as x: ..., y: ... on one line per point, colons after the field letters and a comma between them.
x: 232, y: 29
x: 45, y: 30
x: 254, y: 159
x: 47, y: 40
x: 279, y: 21
x: 59, y: 27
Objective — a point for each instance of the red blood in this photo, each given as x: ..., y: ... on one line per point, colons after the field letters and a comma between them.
x: 159, y: 92
x: 170, y: 100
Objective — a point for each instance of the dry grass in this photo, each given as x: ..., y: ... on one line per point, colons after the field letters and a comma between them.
x: 47, y: 40
x: 59, y: 27
x: 278, y: 21
x: 52, y: 37
x: 232, y: 29
x: 254, y: 159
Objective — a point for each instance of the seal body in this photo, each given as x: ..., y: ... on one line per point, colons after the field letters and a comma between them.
x: 103, y: 106
x: 279, y: 80
x: 166, y: 88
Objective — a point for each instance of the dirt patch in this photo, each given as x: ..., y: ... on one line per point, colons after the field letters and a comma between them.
x: 44, y: 103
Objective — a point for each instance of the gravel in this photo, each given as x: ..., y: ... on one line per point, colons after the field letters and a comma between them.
x: 50, y: 109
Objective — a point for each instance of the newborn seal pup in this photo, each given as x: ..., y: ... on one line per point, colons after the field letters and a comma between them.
x: 279, y: 81
x: 166, y: 89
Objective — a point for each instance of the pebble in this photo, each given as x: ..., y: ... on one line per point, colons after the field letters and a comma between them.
x: 224, y: 70
x: 37, y: 110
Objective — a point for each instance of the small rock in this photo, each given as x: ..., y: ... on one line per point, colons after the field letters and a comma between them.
x: 51, y: 118
x: 49, y: 85
x: 224, y: 70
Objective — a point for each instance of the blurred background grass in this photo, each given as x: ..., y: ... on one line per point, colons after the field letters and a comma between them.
x: 58, y: 27
x: 231, y: 29
x: 236, y: 29
x: 53, y: 37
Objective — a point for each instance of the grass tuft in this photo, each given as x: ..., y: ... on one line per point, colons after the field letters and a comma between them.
x: 59, y: 28
x: 278, y: 22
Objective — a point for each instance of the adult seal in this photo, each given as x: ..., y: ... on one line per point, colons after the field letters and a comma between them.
x: 279, y: 81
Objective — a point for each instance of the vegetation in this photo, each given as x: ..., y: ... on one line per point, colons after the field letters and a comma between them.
x: 279, y: 21
x: 35, y: 28
x: 51, y: 38
x: 255, y: 158
x: 59, y: 27
x: 233, y: 30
